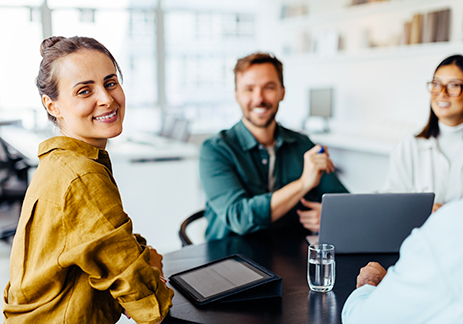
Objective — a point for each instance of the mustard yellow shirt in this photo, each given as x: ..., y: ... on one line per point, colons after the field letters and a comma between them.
x: 74, y: 258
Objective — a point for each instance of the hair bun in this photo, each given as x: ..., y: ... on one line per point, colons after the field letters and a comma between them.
x: 49, y: 42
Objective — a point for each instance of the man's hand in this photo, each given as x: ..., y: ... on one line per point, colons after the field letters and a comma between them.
x: 155, y: 259
x: 435, y: 207
x: 314, y: 165
x: 371, y: 274
x: 310, y: 219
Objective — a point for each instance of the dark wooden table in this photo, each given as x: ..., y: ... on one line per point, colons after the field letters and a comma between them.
x: 285, y: 256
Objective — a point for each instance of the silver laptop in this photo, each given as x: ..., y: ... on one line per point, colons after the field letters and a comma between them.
x: 372, y: 223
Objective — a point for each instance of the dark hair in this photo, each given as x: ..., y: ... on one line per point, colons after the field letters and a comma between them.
x: 56, y: 47
x: 258, y: 58
x: 432, y: 127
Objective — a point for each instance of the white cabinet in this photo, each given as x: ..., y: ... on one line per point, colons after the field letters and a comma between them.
x: 159, y: 186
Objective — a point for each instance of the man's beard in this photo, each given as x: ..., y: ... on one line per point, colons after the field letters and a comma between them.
x: 267, y: 123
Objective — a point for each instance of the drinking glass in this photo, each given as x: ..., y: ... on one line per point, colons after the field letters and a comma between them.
x: 321, y: 267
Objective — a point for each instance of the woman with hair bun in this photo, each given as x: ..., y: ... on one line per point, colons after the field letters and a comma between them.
x: 74, y: 257
x: 432, y: 161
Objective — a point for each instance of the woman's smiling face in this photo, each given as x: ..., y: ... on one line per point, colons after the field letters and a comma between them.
x: 448, y: 109
x: 91, y: 103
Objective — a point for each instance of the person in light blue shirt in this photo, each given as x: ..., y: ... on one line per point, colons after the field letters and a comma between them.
x: 426, y: 283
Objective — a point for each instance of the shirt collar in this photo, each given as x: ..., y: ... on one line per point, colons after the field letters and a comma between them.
x: 81, y: 149
x: 427, y: 144
x: 248, y: 141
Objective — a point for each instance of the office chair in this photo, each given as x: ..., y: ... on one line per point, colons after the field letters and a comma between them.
x: 182, y: 232
x: 13, y: 185
x: 180, y: 130
x: 176, y: 128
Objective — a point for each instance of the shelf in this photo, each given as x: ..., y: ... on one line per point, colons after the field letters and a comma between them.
x: 360, y: 11
x: 316, y: 37
x: 378, y: 53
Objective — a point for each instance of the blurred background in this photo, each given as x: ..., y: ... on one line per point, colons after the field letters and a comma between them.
x: 355, y: 74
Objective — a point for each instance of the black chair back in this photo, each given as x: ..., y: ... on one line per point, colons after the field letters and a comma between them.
x: 182, y: 232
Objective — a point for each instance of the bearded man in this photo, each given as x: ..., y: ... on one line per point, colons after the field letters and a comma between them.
x: 259, y: 175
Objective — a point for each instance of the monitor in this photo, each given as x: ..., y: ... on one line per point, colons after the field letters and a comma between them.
x: 321, y: 102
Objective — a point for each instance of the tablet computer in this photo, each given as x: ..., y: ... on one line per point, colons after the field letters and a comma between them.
x: 224, y: 278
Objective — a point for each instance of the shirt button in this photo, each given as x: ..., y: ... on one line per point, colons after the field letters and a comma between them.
x: 264, y: 161
x: 261, y: 146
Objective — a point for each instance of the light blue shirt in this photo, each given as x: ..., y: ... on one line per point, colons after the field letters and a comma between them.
x: 425, y: 285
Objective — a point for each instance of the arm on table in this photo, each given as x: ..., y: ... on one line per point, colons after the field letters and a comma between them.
x: 315, y: 165
x: 226, y: 194
x: 242, y: 213
x: 421, y: 287
x: 104, y: 247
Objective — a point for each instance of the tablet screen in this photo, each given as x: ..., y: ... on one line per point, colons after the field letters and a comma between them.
x: 222, y: 276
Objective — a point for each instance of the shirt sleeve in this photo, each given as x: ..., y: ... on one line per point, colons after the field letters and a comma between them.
x: 420, y: 288
x: 226, y: 194
x: 99, y: 240
x: 329, y: 183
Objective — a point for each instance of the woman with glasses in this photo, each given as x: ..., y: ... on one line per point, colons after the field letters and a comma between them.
x: 432, y: 161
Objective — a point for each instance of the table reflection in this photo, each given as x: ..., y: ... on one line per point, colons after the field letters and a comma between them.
x: 323, y: 308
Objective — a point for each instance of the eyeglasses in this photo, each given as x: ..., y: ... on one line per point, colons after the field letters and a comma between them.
x: 453, y: 89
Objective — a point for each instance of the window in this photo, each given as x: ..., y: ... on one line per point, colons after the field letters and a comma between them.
x: 19, y: 61
x: 202, y: 40
x: 201, y: 50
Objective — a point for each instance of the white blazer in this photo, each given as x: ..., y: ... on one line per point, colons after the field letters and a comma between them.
x: 417, y: 165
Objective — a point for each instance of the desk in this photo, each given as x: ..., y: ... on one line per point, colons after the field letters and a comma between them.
x: 285, y: 256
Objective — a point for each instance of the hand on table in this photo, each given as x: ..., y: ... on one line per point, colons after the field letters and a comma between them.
x: 310, y: 219
x: 435, y: 207
x: 155, y: 260
x: 371, y: 274
x: 128, y: 316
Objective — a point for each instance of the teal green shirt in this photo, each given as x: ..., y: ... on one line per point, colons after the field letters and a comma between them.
x: 234, y: 168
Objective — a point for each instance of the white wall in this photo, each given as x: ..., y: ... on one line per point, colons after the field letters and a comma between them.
x: 159, y: 186
x: 374, y: 87
x: 380, y: 93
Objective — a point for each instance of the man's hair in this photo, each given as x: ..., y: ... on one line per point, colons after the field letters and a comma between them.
x: 258, y: 58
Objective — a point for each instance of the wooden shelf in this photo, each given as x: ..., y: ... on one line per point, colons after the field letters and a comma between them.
x: 368, y: 9
x: 378, y: 53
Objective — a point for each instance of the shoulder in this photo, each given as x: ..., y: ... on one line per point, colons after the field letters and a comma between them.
x: 447, y: 220
x: 74, y: 165
x: 412, y: 144
x: 63, y: 169
x: 291, y: 136
x: 223, y: 141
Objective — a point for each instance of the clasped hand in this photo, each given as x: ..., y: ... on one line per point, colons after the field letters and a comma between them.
x: 314, y: 165
x: 372, y: 274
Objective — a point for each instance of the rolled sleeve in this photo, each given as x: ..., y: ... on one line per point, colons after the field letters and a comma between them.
x: 100, y: 241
